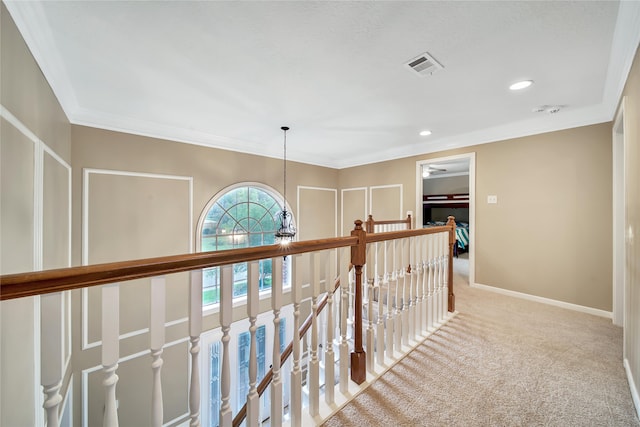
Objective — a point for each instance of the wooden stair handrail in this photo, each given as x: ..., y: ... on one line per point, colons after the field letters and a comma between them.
x: 266, y: 380
x: 370, y: 223
x: 64, y: 279
x: 401, y: 234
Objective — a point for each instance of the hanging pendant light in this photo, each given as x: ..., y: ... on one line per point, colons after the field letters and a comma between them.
x: 286, y: 231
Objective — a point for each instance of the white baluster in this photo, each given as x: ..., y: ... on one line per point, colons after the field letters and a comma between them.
x: 391, y: 283
x: 440, y: 263
x: 110, y: 350
x: 329, y: 356
x: 314, y: 363
x: 156, y: 344
x: 430, y: 283
x: 345, y: 256
x: 382, y: 280
x: 51, y: 354
x: 296, y: 372
x: 253, y: 302
x: 371, y: 277
x: 276, y: 305
x: 399, y: 274
x: 406, y: 290
x: 412, y: 288
x: 445, y: 275
x: 195, y: 329
x: 419, y: 285
x: 226, y: 311
x: 425, y: 283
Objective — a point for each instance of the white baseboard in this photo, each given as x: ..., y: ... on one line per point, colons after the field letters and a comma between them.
x: 632, y: 386
x: 575, y: 307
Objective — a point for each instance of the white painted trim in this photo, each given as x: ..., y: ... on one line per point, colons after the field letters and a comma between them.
x: 335, y: 203
x: 67, y: 401
x: 84, y: 382
x: 374, y: 187
x: 177, y: 419
x: 446, y: 175
x: 632, y: 386
x: 62, y: 162
x: 85, y: 238
x: 543, y: 300
x: 472, y: 202
x: 8, y: 116
x: 624, y: 43
x: 618, y: 224
x: 39, y: 148
x: 626, y: 38
x: 364, y: 208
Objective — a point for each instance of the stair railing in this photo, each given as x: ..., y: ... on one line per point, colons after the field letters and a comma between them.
x: 410, y: 271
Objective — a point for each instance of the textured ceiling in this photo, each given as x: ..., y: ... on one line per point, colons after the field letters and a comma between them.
x: 229, y: 74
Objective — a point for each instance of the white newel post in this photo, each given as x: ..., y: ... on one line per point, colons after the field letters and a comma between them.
x: 253, y: 295
x: 392, y: 281
x: 195, y: 329
x: 371, y: 278
x: 345, y: 257
x: 329, y: 356
x: 276, y: 305
x: 110, y: 350
x: 314, y: 363
x: 51, y: 354
x: 226, y: 307
x: 296, y: 372
x: 157, y: 341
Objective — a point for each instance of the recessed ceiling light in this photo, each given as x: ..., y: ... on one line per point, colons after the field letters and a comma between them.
x: 521, y: 85
x: 425, y: 133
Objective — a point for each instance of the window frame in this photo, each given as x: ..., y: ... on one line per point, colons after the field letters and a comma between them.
x: 242, y: 299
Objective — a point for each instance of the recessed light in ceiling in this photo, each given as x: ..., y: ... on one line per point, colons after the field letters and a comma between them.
x: 425, y: 133
x: 521, y: 85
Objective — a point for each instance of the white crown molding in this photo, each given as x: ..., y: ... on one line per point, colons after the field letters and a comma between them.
x: 626, y: 39
x: 625, y: 42
x: 41, y: 43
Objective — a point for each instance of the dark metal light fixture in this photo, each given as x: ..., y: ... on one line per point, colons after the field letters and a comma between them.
x: 286, y: 231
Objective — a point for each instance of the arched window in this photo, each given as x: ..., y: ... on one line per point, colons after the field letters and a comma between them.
x: 241, y: 216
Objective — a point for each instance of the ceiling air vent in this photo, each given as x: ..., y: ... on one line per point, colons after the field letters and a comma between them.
x: 424, y: 64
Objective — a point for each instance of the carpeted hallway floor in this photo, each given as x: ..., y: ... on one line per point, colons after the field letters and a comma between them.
x: 503, y: 361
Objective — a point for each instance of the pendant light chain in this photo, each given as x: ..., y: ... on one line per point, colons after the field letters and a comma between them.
x: 285, y: 129
x: 286, y: 231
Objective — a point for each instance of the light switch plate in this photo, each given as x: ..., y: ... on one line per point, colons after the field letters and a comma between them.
x: 492, y: 199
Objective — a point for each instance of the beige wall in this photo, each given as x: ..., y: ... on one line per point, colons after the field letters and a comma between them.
x: 554, y: 195
x: 550, y: 233
x: 632, y: 223
x: 138, y: 197
x: 35, y: 148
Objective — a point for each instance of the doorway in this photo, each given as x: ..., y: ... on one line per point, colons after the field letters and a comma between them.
x: 449, y: 176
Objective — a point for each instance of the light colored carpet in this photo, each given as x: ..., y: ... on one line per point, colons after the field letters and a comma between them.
x: 503, y: 361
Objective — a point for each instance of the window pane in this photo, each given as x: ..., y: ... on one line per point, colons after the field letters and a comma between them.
x: 243, y: 217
